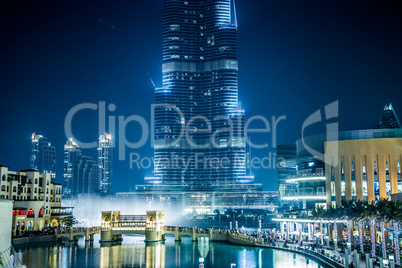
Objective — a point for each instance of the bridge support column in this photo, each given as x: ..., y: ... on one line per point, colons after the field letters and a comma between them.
x: 154, y: 226
x: 176, y: 234
x: 89, y: 237
x: 71, y: 236
x: 106, y: 236
x: 86, y: 235
x: 117, y: 237
x: 193, y: 237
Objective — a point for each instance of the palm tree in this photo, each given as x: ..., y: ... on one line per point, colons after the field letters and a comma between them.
x: 382, y: 212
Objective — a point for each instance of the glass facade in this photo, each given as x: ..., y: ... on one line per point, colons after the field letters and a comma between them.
x: 43, y: 155
x: 80, y: 171
x: 105, y: 162
x: 285, y: 169
x: 199, y: 127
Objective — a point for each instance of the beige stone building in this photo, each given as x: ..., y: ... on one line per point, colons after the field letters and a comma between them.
x: 363, y: 169
x: 37, y: 200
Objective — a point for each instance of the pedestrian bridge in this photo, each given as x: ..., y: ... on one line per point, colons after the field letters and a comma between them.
x: 152, y: 225
x: 73, y: 233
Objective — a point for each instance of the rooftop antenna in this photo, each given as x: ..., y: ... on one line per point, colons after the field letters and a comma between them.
x: 151, y: 80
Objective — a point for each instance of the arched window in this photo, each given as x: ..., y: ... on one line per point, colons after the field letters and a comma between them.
x: 36, y: 181
x: 47, y: 199
x: 4, y: 177
x: 30, y: 213
x: 3, y: 188
x: 47, y: 190
x: 36, y: 190
x: 14, y: 188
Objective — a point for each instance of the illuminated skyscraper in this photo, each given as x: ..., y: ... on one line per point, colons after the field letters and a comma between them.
x: 43, y: 155
x: 388, y: 118
x: 80, y: 171
x: 198, y: 104
x: 105, y: 162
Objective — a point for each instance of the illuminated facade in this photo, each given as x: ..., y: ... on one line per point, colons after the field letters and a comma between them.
x: 43, y: 155
x: 307, y: 186
x: 285, y: 152
x: 105, y: 162
x: 36, y: 199
x: 363, y: 165
x: 80, y: 171
x: 199, y: 87
x: 204, y: 202
x: 356, y: 165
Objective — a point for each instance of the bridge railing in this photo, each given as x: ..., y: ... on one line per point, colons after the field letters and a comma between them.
x: 75, y: 230
x: 245, y: 238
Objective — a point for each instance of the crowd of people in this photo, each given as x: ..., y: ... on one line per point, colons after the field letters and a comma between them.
x: 44, y: 232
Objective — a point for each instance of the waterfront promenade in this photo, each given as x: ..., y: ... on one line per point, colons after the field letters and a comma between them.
x: 328, y: 257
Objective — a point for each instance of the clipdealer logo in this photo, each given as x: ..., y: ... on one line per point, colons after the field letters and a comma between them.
x: 235, y: 136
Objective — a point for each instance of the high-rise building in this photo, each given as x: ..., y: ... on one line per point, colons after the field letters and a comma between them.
x: 285, y: 154
x: 43, y: 155
x: 388, y: 118
x: 198, y: 119
x: 80, y: 171
x: 105, y: 162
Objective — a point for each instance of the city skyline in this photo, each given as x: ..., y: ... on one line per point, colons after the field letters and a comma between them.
x: 349, y: 50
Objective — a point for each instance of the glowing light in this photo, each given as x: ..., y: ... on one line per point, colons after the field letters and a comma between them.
x: 312, y: 178
x: 396, y: 231
x: 304, y: 197
x: 372, y: 227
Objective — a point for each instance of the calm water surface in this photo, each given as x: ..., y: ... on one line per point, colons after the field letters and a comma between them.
x: 134, y: 252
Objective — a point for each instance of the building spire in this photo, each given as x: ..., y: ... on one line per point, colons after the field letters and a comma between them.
x: 233, y: 17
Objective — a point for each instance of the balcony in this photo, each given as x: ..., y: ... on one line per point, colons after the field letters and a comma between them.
x: 61, y: 211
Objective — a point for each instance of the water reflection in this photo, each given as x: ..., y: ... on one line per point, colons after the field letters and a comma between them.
x: 134, y: 252
x: 203, y: 246
x: 155, y: 253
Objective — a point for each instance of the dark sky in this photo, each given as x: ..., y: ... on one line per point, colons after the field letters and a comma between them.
x: 294, y: 58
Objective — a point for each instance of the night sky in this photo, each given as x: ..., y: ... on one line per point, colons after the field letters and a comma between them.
x: 294, y: 58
